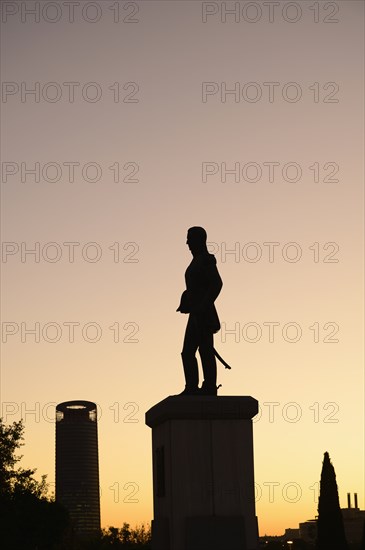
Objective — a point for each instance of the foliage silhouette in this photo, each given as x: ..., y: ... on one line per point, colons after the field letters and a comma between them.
x: 330, y: 528
x: 28, y: 519
x: 138, y: 538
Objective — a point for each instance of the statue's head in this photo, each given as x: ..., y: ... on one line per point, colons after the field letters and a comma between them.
x: 196, y: 239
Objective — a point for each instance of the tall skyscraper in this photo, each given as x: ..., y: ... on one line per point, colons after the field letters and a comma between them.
x: 77, y: 464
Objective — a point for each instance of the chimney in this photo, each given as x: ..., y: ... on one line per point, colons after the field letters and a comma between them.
x: 348, y: 500
x: 355, y: 497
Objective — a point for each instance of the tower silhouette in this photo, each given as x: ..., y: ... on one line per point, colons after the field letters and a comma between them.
x: 77, y: 465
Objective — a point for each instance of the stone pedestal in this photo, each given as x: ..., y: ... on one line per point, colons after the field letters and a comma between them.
x: 203, y: 473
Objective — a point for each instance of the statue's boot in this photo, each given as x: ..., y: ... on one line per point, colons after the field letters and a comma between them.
x: 190, y: 365
x: 209, y: 364
x: 209, y: 389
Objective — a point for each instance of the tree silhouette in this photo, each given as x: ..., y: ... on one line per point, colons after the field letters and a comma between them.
x: 330, y: 529
x: 28, y: 519
x: 14, y: 480
x: 126, y: 537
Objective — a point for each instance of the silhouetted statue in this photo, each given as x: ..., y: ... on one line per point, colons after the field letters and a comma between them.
x: 203, y: 285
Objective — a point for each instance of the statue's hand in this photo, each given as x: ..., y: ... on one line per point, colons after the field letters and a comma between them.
x: 184, y: 306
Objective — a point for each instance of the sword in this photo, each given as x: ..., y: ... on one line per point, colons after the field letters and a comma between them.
x: 221, y: 359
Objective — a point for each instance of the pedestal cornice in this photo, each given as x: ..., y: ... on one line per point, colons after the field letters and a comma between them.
x: 193, y: 407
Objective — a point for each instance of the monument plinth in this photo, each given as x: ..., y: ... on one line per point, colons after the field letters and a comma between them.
x: 203, y: 473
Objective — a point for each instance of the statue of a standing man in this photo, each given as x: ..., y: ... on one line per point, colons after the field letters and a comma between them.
x: 203, y: 284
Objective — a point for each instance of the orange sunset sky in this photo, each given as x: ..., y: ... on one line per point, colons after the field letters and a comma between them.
x: 125, y: 123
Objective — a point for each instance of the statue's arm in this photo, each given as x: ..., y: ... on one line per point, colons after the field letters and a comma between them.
x: 214, y: 285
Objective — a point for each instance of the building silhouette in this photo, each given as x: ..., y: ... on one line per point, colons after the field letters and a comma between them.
x: 353, y: 522
x: 77, y: 465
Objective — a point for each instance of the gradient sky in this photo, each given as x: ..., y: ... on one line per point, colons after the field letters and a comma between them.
x: 166, y: 136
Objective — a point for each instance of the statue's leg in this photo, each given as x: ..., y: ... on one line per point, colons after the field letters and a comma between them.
x: 190, y: 363
x: 209, y: 363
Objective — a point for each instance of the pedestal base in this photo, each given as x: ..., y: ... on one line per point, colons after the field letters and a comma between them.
x: 203, y: 475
